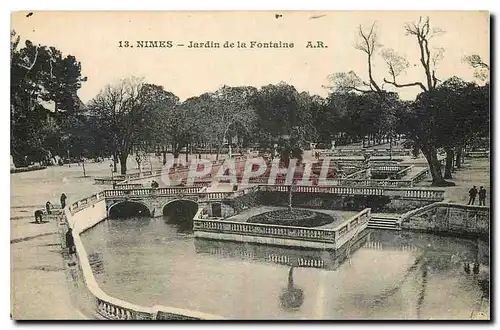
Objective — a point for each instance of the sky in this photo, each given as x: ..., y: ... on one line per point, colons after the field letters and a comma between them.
x: 93, y: 38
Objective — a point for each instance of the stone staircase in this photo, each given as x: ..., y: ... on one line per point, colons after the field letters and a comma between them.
x: 384, y: 222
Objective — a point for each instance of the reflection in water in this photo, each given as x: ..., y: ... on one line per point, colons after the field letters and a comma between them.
x: 292, y: 297
x: 396, y: 275
x: 289, y: 256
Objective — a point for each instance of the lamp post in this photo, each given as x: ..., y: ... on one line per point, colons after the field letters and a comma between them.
x: 112, y: 176
x: 83, y: 165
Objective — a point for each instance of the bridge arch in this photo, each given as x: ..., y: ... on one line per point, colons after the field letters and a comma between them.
x: 180, y: 211
x: 125, y: 209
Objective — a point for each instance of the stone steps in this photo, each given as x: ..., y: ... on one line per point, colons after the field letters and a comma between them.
x: 383, y: 223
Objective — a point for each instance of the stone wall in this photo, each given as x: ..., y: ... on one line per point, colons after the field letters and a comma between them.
x: 248, y: 200
x: 449, y: 218
x: 346, y: 203
x: 87, y: 217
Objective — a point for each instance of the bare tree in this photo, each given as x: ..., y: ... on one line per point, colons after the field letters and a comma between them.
x: 368, y: 43
x: 397, y: 64
x: 126, y: 112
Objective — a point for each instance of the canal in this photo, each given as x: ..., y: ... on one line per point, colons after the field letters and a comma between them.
x: 387, y: 275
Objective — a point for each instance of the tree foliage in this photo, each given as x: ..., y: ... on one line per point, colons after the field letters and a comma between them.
x: 41, y: 75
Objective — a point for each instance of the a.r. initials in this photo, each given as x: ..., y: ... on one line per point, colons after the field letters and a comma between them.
x: 319, y: 44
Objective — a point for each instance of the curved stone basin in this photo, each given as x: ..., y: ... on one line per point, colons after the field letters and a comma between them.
x: 396, y: 275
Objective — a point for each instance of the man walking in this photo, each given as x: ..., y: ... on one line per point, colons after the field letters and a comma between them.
x: 472, y: 195
x: 482, y: 196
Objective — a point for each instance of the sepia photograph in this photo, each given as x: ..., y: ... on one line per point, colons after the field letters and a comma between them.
x: 250, y: 165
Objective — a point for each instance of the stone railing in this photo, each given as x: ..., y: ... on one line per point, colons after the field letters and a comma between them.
x: 398, y: 193
x: 172, y: 191
x: 85, y: 202
x: 216, y: 195
x: 127, y: 185
x: 361, y: 152
x: 420, y: 176
x: 109, y: 180
x: 352, y: 226
x: 152, y: 191
x: 402, y: 172
x: 366, y: 183
x: 265, y: 230
x: 336, y: 236
x: 105, y: 305
x: 361, y: 174
x: 477, y: 154
x: 450, y: 218
x: 389, y: 169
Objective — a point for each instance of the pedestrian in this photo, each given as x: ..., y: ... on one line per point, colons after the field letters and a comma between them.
x: 48, y: 206
x: 467, y: 268
x: 70, y: 242
x: 38, y: 216
x: 472, y: 195
x: 482, y: 196
x: 63, y: 200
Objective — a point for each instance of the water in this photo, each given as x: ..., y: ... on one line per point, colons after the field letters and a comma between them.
x: 394, y: 275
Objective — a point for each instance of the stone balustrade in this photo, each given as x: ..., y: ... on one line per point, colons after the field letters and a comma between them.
x: 334, y: 237
x: 366, y: 183
x: 108, y: 181
x: 265, y: 230
x: 420, y: 176
x: 85, y: 202
x: 361, y: 174
x: 387, y: 169
x: 478, y: 154
x: 398, y: 193
x: 402, y: 172
x: 361, y: 152
x: 401, y: 193
x: 126, y: 185
x: 450, y: 218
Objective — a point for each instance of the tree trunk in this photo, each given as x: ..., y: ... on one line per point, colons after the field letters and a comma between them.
x: 364, y: 142
x: 164, y: 153
x: 458, y: 159
x: 123, y: 163
x: 218, y: 153
x: 176, y: 152
x: 449, y: 163
x: 187, y: 153
x: 430, y: 154
x: 115, y: 159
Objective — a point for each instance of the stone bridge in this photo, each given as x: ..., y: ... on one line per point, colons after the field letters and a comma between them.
x: 154, y: 201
